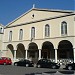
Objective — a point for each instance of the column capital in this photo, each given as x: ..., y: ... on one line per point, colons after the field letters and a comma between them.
x: 26, y: 49
x: 56, y: 49
x: 73, y: 48
x: 15, y: 50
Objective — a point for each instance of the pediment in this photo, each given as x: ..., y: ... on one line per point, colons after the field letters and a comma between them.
x: 36, y: 15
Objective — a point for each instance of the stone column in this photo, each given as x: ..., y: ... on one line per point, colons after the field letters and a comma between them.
x: 14, y: 55
x: 74, y: 54
x: 26, y: 54
x: 55, y: 55
x: 39, y: 54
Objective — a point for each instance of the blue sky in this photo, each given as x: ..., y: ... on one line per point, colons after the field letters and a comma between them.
x: 11, y: 9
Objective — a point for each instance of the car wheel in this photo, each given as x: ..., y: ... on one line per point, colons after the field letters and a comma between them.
x: 53, y: 67
x: 27, y: 65
x: 15, y: 64
x: 69, y: 67
x: 38, y: 66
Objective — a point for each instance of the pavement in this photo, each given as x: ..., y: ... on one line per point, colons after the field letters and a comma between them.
x: 17, y: 70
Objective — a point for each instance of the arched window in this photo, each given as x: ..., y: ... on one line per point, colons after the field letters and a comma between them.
x: 47, y: 30
x: 10, y: 36
x: 32, y: 32
x: 21, y: 34
x: 63, y: 28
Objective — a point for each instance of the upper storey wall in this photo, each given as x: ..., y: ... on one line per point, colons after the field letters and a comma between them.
x: 36, y: 15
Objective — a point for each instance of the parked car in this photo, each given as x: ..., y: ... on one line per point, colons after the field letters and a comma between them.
x: 45, y: 63
x: 5, y: 61
x: 70, y: 66
x: 24, y: 62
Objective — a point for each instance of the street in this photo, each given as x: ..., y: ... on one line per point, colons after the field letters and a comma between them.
x: 17, y: 70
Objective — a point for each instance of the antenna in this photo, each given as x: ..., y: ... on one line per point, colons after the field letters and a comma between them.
x: 33, y: 5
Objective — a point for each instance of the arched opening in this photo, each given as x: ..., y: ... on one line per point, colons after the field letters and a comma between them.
x: 48, y: 50
x: 33, y: 52
x: 65, y: 50
x: 10, y: 51
x: 20, y: 53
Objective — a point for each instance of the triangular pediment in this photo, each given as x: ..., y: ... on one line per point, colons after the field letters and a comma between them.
x: 35, y: 14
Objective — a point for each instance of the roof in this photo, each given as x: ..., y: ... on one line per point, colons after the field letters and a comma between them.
x: 54, y: 10
x: 45, y: 10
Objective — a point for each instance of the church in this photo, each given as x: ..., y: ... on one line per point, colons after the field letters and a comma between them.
x: 41, y: 33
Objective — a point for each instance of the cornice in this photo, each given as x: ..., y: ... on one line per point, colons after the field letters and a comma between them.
x: 51, y: 18
x: 18, y: 17
x: 54, y: 10
x: 41, y: 39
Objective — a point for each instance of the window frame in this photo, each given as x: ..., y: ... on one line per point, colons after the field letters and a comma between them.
x: 10, y: 36
x: 32, y: 32
x: 21, y: 34
x: 47, y: 30
x: 64, y: 28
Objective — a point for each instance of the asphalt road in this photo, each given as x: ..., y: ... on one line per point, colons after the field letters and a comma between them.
x: 17, y: 70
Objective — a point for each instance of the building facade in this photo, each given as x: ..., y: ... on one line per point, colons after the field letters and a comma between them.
x: 1, y: 38
x: 41, y: 33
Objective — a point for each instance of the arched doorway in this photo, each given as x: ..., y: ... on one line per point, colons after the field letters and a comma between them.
x: 33, y: 52
x: 65, y: 50
x: 48, y: 50
x: 10, y: 51
x: 20, y: 53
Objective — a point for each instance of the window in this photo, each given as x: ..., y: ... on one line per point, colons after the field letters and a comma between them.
x: 20, y: 34
x: 10, y: 36
x: 32, y: 32
x: 63, y: 28
x: 47, y: 30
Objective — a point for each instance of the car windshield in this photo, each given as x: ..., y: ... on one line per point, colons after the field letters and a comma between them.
x: 8, y: 58
x: 48, y: 61
x: 5, y: 58
x: 21, y: 60
x: 45, y: 60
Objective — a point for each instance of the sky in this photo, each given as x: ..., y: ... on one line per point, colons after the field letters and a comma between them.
x: 11, y: 9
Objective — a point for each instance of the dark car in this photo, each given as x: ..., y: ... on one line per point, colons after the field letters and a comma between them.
x: 45, y: 63
x: 5, y: 61
x: 70, y: 66
x: 25, y: 63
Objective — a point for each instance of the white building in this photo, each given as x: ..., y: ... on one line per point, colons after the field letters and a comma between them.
x: 41, y: 33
